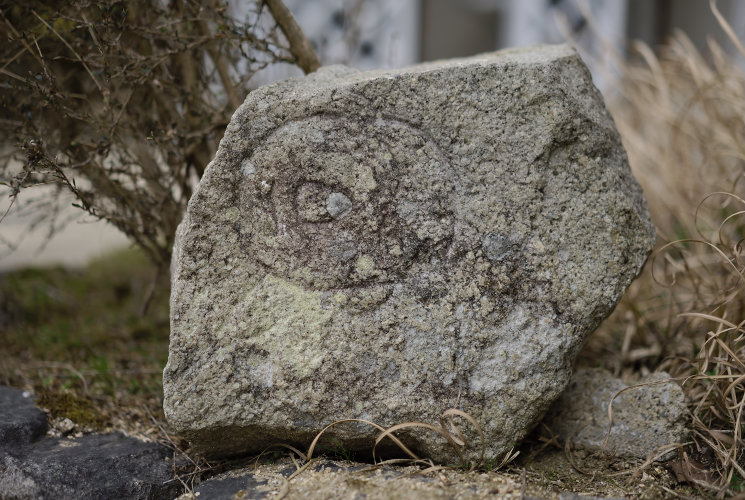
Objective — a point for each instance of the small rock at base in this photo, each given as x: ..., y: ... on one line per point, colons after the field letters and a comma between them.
x: 93, y: 466
x: 21, y: 422
x: 645, y: 418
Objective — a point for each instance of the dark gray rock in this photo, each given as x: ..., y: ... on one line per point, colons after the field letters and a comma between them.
x: 645, y: 418
x: 21, y: 422
x: 94, y: 466
x: 227, y: 488
x: 573, y: 496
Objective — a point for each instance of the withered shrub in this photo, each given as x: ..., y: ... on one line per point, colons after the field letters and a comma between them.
x: 121, y: 104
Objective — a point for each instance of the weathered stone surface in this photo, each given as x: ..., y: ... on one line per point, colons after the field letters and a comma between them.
x: 93, y: 466
x: 387, y: 245
x: 645, y: 418
x: 21, y: 422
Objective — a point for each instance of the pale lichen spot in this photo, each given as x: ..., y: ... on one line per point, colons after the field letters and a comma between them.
x: 340, y: 298
x: 365, y: 181
x: 287, y: 310
x: 231, y: 214
x: 365, y: 266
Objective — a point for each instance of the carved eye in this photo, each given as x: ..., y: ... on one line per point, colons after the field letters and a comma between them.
x: 337, y: 205
x: 320, y: 203
x: 311, y: 202
x: 352, y: 203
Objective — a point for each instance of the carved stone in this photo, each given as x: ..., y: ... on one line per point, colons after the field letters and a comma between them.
x: 387, y: 245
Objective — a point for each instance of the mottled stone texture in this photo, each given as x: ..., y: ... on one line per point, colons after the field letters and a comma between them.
x: 387, y: 245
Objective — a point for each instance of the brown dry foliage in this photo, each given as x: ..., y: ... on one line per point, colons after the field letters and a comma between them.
x: 682, y: 119
x: 122, y: 103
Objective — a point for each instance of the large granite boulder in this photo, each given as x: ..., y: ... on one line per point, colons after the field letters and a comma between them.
x: 386, y: 245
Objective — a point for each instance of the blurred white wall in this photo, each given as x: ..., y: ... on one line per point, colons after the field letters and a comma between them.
x: 601, y: 30
x: 81, y: 240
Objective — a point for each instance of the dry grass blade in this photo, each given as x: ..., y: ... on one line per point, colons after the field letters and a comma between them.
x: 300, y: 470
x: 570, y: 458
x: 388, y: 433
x: 726, y: 27
x: 454, y: 412
x: 297, y: 452
x: 626, y: 389
x: 652, y: 458
x: 507, y: 458
x: 197, y: 468
x: 682, y: 120
x: 448, y: 430
x: 397, y: 441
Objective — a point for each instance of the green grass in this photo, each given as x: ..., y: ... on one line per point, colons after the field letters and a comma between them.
x: 79, y: 341
x: 737, y: 484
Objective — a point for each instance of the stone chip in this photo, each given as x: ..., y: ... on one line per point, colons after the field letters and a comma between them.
x: 647, y: 416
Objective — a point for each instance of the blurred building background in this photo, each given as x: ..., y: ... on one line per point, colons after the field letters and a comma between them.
x: 370, y: 34
x: 393, y: 33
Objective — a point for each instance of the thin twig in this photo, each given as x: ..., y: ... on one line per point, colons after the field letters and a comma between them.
x: 75, y: 53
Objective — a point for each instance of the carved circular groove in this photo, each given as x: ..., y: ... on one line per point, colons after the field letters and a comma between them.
x: 337, y: 202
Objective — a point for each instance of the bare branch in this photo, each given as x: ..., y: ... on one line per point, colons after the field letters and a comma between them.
x: 299, y: 44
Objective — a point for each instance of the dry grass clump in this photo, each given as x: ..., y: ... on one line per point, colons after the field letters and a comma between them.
x: 682, y: 119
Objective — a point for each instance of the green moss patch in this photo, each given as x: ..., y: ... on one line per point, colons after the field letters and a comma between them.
x: 79, y: 340
x: 66, y: 405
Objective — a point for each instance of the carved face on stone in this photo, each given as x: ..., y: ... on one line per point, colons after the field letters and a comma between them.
x: 322, y: 201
